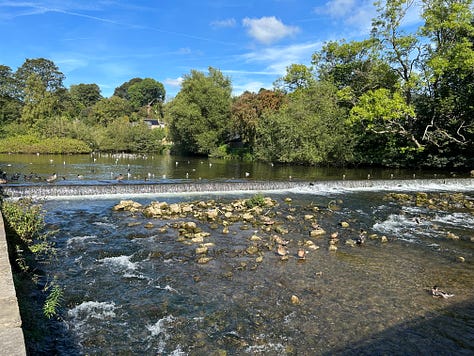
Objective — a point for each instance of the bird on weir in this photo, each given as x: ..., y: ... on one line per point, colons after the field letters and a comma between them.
x: 52, y: 178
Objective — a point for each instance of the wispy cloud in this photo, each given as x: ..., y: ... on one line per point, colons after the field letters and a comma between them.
x: 268, y: 30
x: 251, y: 86
x: 224, y: 23
x: 277, y: 59
x: 356, y: 14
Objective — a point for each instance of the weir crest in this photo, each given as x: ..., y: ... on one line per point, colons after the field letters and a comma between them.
x: 101, y: 189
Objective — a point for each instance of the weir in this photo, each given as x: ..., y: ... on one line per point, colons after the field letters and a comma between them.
x: 46, y: 191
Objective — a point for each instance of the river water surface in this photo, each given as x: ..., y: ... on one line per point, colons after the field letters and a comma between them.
x: 132, y: 286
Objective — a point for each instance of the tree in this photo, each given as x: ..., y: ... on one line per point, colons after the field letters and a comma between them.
x: 309, y: 129
x: 146, y: 92
x: 383, y: 112
x: 248, y: 109
x: 354, y: 67
x: 39, y: 103
x: 399, y: 49
x: 85, y: 95
x: 199, y: 114
x: 122, y: 90
x: 10, y: 106
x: 449, y: 63
x: 110, y: 109
x: 47, y: 72
x: 298, y: 76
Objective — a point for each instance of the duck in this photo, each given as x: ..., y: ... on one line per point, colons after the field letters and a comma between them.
x: 52, y: 178
x: 119, y: 177
x: 436, y: 292
x: 361, y: 238
x: 282, y: 251
x: 3, y: 181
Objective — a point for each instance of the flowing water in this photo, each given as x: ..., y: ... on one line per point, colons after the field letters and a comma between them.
x: 132, y: 286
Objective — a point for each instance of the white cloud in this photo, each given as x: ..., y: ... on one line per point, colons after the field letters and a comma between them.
x: 223, y: 23
x: 174, y: 82
x: 268, y: 29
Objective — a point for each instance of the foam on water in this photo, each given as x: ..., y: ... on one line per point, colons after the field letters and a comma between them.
x: 79, y: 239
x: 60, y: 191
x: 120, y: 262
x: 463, y: 220
x: 160, y: 330
x: 92, y: 309
x: 400, y: 226
x: 167, y: 288
x: 270, y: 348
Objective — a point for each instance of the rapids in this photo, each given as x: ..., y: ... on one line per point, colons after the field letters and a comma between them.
x: 133, y: 288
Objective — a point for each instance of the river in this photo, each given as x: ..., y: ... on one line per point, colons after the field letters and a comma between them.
x: 133, y: 286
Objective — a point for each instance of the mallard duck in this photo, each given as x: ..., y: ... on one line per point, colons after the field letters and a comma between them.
x: 436, y: 292
x: 361, y: 238
x: 119, y: 177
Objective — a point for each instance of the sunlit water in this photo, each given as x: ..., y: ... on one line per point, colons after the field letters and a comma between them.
x: 131, y: 289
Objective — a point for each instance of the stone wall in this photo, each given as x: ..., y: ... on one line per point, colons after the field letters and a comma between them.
x: 12, y: 341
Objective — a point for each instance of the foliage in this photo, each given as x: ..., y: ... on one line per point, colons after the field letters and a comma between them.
x: 122, y: 90
x: 199, y: 115
x: 25, y: 218
x: 298, y: 76
x: 248, y: 109
x: 84, y: 95
x: 31, y: 143
x: 381, y: 111
x: 256, y: 200
x: 146, y: 92
x: 107, y: 110
x: 310, y: 129
x: 48, y: 73
x: 53, y: 300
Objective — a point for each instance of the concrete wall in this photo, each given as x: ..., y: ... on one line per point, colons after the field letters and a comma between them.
x: 12, y: 342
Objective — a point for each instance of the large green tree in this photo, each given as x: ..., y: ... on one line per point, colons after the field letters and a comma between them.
x: 199, y: 114
x: 110, y: 109
x: 247, y: 110
x: 39, y: 103
x: 47, y: 72
x: 122, y: 90
x: 146, y: 93
x: 309, y: 129
x: 449, y: 70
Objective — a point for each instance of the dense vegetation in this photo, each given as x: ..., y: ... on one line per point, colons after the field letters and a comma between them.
x: 400, y: 97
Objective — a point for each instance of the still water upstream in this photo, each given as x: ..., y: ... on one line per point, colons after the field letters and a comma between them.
x: 132, y: 286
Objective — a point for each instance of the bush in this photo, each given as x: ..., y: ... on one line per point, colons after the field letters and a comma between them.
x: 33, y: 144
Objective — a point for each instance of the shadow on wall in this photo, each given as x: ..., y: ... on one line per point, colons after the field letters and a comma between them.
x: 449, y: 331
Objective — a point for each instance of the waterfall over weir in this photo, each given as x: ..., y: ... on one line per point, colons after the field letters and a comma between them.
x: 58, y: 190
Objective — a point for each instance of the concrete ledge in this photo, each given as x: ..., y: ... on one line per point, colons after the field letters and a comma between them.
x: 12, y: 341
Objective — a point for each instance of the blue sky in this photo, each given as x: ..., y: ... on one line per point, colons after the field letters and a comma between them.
x: 109, y: 42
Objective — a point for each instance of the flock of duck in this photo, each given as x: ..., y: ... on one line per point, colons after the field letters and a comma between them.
x: 4, y: 179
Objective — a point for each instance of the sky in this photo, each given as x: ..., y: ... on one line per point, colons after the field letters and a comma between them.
x: 108, y: 42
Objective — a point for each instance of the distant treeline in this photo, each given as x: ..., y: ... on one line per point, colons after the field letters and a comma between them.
x: 401, y: 97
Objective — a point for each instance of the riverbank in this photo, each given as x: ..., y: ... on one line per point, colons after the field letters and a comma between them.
x: 11, y: 334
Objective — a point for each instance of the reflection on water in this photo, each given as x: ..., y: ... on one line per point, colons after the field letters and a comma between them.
x: 166, y: 168
x: 132, y: 288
